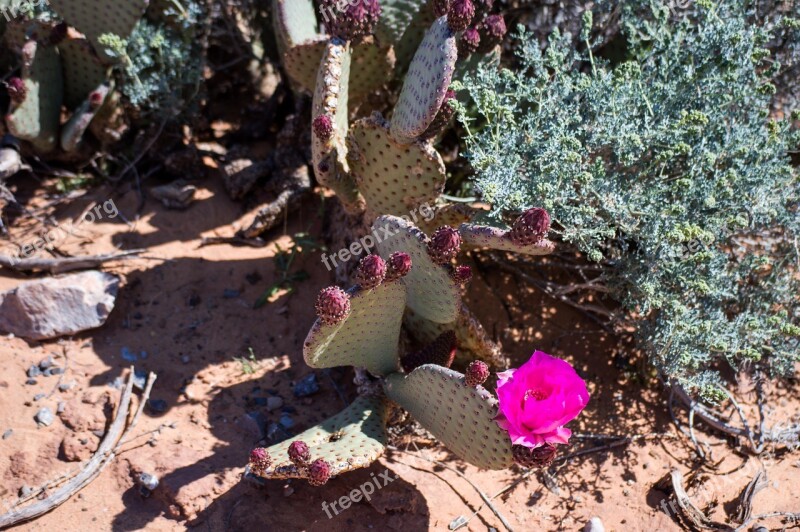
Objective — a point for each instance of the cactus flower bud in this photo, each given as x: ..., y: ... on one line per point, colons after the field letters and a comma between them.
x: 462, y: 274
x: 541, y: 456
x: 96, y: 100
x: 444, y: 245
x: 299, y: 453
x: 469, y: 43
x: 441, y: 7
x: 460, y: 15
x: 353, y: 20
x: 492, y: 31
x: 476, y: 374
x: 371, y: 272
x: 441, y: 352
x: 399, y: 266
x: 442, y: 118
x: 530, y: 228
x: 260, y: 460
x: 333, y: 305
x: 323, y: 127
x: 16, y: 90
x: 319, y: 472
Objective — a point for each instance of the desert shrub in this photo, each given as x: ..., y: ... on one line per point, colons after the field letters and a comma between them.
x: 668, y: 170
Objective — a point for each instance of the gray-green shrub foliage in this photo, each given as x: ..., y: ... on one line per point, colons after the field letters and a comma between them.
x: 668, y: 170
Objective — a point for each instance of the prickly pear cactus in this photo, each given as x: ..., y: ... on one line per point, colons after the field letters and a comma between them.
x: 94, y: 19
x: 352, y: 439
x: 83, y: 70
x: 368, y: 337
x: 426, y: 83
x: 461, y: 417
x: 393, y: 178
x: 432, y: 293
x: 490, y: 237
x: 35, y: 117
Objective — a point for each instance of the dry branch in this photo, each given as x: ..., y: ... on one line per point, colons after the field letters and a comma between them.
x: 64, y: 264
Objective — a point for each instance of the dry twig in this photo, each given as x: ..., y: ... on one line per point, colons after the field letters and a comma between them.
x: 64, y: 264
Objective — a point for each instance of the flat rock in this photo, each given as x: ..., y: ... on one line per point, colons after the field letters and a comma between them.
x: 53, y: 307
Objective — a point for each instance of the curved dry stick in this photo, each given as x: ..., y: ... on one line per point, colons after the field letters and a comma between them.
x: 102, y: 457
x: 65, y: 264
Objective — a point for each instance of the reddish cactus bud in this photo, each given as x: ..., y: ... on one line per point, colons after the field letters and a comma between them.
x: 444, y: 245
x: 493, y: 31
x: 319, y: 472
x: 371, y: 272
x: 441, y: 352
x: 399, y: 266
x: 469, y: 42
x: 541, y: 456
x: 460, y: 15
x: 476, y: 374
x: 530, y: 228
x: 333, y: 305
x: 442, y: 118
x: 353, y: 20
x: 441, y: 7
x: 96, y: 100
x: 462, y: 274
x: 58, y: 33
x: 16, y: 90
x: 299, y: 453
x: 323, y: 127
x: 260, y: 460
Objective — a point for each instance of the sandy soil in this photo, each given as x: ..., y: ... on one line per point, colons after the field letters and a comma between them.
x: 190, y: 308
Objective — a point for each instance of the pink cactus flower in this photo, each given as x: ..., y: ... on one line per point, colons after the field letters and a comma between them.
x: 538, y: 399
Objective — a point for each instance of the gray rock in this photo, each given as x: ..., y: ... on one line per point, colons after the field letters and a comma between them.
x: 31, y: 382
x: 34, y: 371
x: 46, y: 363
x: 286, y: 421
x: 62, y: 406
x: 39, y: 396
x: 274, y: 403
x: 594, y: 525
x: 24, y: 491
x: 148, y: 481
x: 7, y: 434
x: 44, y: 417
x: 53, y: 307
x: 66, y: 386
x: 307, y: 386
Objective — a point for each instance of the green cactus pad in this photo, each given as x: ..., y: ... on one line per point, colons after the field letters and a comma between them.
x: 393, y: 178
x: 73, y: 130
x: 479, y: 236
x: 37, y: 118
x: 352, y: 439
x: 426, y: 83
x: 396, y: 18
x: 432, y: 294
x: 373, y: 65
x: 406, y: 46
x: 368, y: 337
x: 295, y: 23
x: 95, y: 19
x: 83, y: 70
x: 461, y: 417
x: 450, y: 214
x: 471, y: 338
x: 330, y: 99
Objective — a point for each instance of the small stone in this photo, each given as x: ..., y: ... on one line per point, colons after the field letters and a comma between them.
x: 594, y: 525
x: 66, y: 386
x: 24, y: 491
x: 274, y: 403
x: 46, y: 363
x: 39, y: 396
x: 44, y: 417
x: 7, y: 434
x: 288, y: 491
x: 307, y: 386
x: 34, y: 371
x: 31, y: 382
x: 186, y: 359
x: 53, y: 371
x: 128, y: 355
x: 286, y: 421
x: 62, y: 406
x: 157, y: 406
x: 148, y: 481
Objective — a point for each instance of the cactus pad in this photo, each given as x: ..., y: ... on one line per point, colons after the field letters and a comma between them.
x: 83, y: 70
x: 73, y: 130
x: 396, y: 18
x: 426, y: 83
x: 95, y: 19
x: 295, y: 22
x: 302, y: 61
x: 36, y: 118
x: 490, y: 237
x: 407, y: 45
x: 394, y: 178
x: 461, y: 417
x: 451, y: 214
x: 368, y: 338
x: 352, y: 439
x: 432, y: 293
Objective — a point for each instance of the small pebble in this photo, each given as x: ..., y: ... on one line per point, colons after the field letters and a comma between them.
x: 39, y: 396
x: 288, y: 491
x: 24, y: 491
x: 286, y: 421
x: 34, y: 371
x: 594, y: 525
x: 157, y: 406
x: 66, y: 386
x: 7, y: 434
x: 577, y: 498
x: 46, y: 363
x: 62, y: 406
x: 44, y: 417
x: 307, y: 386
x: 274, y: 403
x: 31, y: 382
x: 148, y: 481
x: 55, y: 371
x: 186, y: 359
x: 128, y: 355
